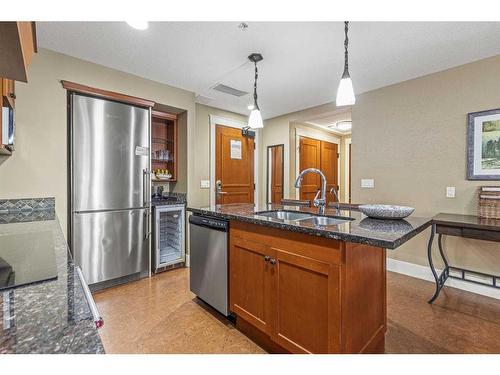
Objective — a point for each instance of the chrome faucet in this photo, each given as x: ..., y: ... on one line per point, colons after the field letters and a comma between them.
x: 317, y: 202
x: 334, y: 191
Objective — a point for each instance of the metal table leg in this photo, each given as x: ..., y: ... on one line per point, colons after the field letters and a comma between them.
x: 441, y: 279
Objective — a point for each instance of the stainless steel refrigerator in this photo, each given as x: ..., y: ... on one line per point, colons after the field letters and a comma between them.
x: 109, y: 148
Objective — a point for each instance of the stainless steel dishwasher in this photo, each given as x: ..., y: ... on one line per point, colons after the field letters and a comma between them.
x: 209, y: 261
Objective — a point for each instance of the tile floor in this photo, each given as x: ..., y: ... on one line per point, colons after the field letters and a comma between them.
x: 161, y: 315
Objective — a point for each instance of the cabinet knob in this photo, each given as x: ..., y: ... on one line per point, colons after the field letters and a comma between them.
x: 267, y: 258
x: 12, y: 95
x: 273, y: 261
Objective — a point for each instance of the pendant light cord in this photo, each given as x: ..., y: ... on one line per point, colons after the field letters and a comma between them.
x: 256, y: 106
x: 346, y: 53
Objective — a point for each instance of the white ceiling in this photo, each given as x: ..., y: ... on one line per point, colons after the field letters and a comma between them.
x: 303, y: 61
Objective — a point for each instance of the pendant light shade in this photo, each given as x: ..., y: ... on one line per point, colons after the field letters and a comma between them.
x: 255, y: 119
x: 345, y: 92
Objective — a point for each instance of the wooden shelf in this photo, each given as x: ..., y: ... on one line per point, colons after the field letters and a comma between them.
x: 164, y: 138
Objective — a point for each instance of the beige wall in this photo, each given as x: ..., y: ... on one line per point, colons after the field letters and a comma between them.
x: 38, y: 167
x: 201, y: 149
x: 411, y: 138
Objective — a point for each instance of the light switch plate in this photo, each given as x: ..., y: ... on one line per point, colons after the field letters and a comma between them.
x: 205, y: 184
x: 450, y: 192
x: 368, y: 183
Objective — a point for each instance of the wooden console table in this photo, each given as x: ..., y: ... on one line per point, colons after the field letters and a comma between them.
x: 466, y: 226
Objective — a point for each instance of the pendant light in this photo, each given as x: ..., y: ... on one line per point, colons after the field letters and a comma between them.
x: 345, y: 92
x: 255, y: 118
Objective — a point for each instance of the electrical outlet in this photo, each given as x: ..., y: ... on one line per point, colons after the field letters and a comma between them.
x: 450, y: 192
x: 368, y: 183
x: 205, y: 184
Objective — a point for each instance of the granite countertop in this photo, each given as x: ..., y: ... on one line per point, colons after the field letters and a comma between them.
x: 50, y: 316
x: 169, y: 199
x: 388, y: 234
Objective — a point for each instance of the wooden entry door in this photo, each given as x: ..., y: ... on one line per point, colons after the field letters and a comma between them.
x: 275, y: 173
x: 234, y: 166
x: 321, y: 155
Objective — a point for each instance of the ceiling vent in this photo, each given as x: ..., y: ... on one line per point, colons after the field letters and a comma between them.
x: 229, y: 90
x: 203, y: 99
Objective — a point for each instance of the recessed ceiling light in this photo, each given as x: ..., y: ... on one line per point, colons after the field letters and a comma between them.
x: 139, y: 25
x: 341, y: 125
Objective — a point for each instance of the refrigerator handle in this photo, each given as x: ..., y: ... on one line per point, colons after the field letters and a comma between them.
x: 145, y: 186
x: 146, y: 226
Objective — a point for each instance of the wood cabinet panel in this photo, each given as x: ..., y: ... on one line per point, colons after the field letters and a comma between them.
x: 314, y: 295
x: 8, y: 92
x: 306, y: 321
x: 17, y: 47
x: 250, y: 284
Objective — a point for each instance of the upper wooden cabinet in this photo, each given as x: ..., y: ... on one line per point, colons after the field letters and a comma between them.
x: 17, y: 47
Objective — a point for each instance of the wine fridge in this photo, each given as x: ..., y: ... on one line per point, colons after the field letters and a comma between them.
x: 169, y: 244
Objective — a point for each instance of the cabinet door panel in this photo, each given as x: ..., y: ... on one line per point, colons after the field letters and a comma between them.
x: 250, y: 282
x: 306, y: 303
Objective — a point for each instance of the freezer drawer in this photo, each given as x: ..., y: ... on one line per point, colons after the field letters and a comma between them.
x: 111, y: 244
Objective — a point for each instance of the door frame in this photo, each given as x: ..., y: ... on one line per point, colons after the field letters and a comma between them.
x: 320, y: 137
x: 347, y: 175
x: 218, y: 120
x: 268, y: 171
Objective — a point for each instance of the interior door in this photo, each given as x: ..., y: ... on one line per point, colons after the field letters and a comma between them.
x: 276, y: 173
x: 250, y: 281
x: 234, y: 166
x: 313, y: 285
x: 310, y: 157
x: 329, y: 165
x: 323, y: 156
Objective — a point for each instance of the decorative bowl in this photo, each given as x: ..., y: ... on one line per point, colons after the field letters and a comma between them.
x: 386, y: 211
x: 163, y: 176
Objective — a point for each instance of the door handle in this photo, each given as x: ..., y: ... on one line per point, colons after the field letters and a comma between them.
x: 218, y: 187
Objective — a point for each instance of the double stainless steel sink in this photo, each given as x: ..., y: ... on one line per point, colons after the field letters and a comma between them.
x: 305, y: 217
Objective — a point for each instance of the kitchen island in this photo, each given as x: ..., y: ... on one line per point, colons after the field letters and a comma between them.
x: 52, y: 316
x: 300, y: 283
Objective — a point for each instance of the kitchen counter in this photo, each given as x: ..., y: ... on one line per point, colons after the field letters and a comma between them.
x: 49, y: 316
x: 388, y: 234
x: 169, y: 199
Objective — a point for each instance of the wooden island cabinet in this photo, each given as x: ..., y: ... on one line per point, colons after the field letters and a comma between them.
x: 298, y: 293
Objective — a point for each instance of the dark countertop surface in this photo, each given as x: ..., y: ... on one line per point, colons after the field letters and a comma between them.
x: 388, y: 234
x: 50, y: 316
x: 467, y: 221
x: 169, y: 199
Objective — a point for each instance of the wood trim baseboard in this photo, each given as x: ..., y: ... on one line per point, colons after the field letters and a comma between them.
x: 76, y: 87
